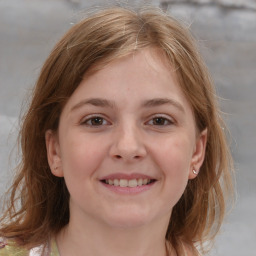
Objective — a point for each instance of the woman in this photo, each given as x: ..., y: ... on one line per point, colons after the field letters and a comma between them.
x: 123, y: 145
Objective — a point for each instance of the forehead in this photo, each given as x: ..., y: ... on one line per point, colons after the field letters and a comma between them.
x: 154, y: 57
x: 143, y: 68
x: 141, y: 63
x: 139, y: 77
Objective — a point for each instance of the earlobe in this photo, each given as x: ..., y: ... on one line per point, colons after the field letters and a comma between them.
x: 198, y: 154
x: 53, y: 153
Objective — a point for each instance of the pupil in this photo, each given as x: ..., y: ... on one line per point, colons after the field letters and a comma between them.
x: 97, y: 121
x: 158, y: 121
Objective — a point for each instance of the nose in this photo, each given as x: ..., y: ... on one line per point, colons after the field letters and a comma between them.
x: 128, y: 144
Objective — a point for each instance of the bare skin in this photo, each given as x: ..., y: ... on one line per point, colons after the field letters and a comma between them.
x: 126, y: 123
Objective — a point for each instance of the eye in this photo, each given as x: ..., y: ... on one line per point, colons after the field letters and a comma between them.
x: 160, y: 121
x: 95, y: 121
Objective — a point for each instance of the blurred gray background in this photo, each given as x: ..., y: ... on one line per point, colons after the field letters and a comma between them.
x: 226, y: 33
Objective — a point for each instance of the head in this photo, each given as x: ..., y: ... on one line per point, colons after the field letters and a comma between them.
x: 87, y: 47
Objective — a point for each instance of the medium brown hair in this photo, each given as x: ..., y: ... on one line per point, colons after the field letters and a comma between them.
x: 43, y: 199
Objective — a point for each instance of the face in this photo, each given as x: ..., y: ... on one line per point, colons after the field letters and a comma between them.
x: 127, y: 143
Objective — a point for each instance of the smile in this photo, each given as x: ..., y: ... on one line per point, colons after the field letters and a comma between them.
x: 128, y: 183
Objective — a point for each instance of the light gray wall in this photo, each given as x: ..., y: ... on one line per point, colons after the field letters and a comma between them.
x: 226, y: 33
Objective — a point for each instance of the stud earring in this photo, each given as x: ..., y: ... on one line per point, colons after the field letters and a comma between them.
x: 194, y: 171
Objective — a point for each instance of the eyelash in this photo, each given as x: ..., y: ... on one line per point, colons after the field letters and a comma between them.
x: 89, y: 121
x: 93, y: 118
x: 167, y: 121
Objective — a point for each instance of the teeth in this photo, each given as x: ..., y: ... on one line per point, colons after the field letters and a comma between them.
x: 128, y: 183
x: 123, y: 183
x: 132, y: 183
x: 116, y: 182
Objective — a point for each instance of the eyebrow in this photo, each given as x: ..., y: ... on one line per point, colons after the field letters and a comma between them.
x: 163, y: 101
x: 99, y: 102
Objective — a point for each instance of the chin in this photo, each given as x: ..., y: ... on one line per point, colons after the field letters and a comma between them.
x: 127, y: 223
x: 128, y: 219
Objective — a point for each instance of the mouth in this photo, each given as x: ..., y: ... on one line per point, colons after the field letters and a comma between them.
x: 131, y: 183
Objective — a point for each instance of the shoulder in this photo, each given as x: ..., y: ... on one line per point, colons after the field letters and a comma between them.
x: 8, y: 247
x: 184, y: 249
x: 190, y: 250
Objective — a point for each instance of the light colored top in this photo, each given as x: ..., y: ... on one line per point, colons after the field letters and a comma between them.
x: 10, y: 248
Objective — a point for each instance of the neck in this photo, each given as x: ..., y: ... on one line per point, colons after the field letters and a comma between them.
x: 93, y: 238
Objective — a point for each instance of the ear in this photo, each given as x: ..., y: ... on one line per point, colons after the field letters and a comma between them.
x: 198, y: 154
x: 53, y: 153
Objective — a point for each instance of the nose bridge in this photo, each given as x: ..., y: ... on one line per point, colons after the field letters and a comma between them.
x: 128, y: 141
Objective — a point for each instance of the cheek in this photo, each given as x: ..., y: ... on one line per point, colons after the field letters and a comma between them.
x: 81, y: 156
x: 175, y: 155
x: 80, y: 160
x: 173, y: 158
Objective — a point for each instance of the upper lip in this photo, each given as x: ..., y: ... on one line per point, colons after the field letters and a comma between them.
x: 127, y: 176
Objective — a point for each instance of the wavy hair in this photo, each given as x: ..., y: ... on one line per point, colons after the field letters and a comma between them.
x: 39, y: 201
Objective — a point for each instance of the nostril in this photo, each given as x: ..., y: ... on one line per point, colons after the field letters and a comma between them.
x: 132, y: 157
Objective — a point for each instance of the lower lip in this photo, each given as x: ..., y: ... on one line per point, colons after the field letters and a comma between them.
x: 128, y: 190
